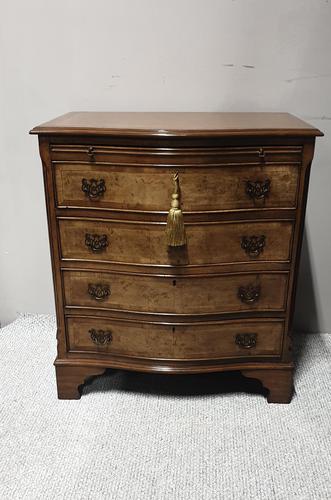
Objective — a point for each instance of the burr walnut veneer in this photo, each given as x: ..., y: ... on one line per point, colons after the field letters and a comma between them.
x: 126, y: 299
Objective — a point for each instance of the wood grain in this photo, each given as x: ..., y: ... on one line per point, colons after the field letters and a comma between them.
x: 194, y: 341
x: 176, y: 295
x: 149, y: 189
x: 143, y: 243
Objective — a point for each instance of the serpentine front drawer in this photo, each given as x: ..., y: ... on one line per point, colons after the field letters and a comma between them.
x: 232, y: 339
x: 203, y: 188
x: 215, y: 294
x: 132, y: 242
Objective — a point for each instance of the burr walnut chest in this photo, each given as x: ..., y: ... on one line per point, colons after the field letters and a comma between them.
x: 175, y: 242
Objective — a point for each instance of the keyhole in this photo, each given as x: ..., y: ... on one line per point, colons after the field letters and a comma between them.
x: 173, y: 329
x: 174, y: 283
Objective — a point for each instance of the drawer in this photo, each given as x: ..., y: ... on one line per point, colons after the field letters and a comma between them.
x: 145, y: 243
x: 148, y: 188
x: 176, y: 295
x: 230, y: 339
x: 173, y: 156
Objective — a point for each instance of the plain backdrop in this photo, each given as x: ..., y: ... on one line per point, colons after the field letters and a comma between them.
x: 150, y: 55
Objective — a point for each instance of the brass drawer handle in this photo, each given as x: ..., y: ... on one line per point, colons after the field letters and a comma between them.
x: 96, y: 242
x: 91, y: 153
x: 258, y: 190
x: 98, y: 291
x: 100, y: 337
x: 253, y: 245
x: 249, y: 294
x: 246, y: 340
x: 93, y: 188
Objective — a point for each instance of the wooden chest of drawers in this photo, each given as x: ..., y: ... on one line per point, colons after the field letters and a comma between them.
x: 221, y: 297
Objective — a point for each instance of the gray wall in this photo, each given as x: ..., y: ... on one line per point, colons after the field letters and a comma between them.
x: 179, y: 55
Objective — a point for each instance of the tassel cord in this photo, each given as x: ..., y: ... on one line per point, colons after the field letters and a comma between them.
x: 175, y: 230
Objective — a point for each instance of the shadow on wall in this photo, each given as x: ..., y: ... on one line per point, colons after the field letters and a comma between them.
x: 306, y: 317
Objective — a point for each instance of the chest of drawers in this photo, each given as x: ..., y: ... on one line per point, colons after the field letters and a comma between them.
x: 210, y: 287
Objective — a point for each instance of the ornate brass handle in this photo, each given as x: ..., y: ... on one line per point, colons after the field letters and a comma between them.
x: 253, y: 245
x: 96, y: 242
x: 246, y: 340
x: 98, y: 291
x: 258, y: 190
x: 100, y: 337
x: 249, y: 294
x: 93, y: 188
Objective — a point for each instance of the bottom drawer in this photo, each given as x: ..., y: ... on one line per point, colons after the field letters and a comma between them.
x: 212, y: 340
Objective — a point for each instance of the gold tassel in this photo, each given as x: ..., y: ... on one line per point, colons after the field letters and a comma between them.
x: 175, y: 230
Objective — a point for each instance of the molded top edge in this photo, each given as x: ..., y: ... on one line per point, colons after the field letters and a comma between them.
x: 168, y: 124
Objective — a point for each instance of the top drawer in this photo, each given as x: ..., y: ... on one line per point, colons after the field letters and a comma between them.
x: 211, y: 179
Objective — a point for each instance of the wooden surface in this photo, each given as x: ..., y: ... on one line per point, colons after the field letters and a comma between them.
x: 197, y: 154
x: 187, y: 342
x: 70, y: 379
x: 143, y: 243
x: 278, y: 382
x: 149, y: 189
x: 177, y: 124
x: 191, y: 295
x: 176, y: 310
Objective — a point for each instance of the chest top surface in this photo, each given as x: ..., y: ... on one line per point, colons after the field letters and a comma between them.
x: 176, y: 124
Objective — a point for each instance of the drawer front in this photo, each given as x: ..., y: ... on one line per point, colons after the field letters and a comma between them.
x: 202, y: 189
x: 231, y: 339
x: 143, y: 243
x: 168, y: 156
x: 180, y: 295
